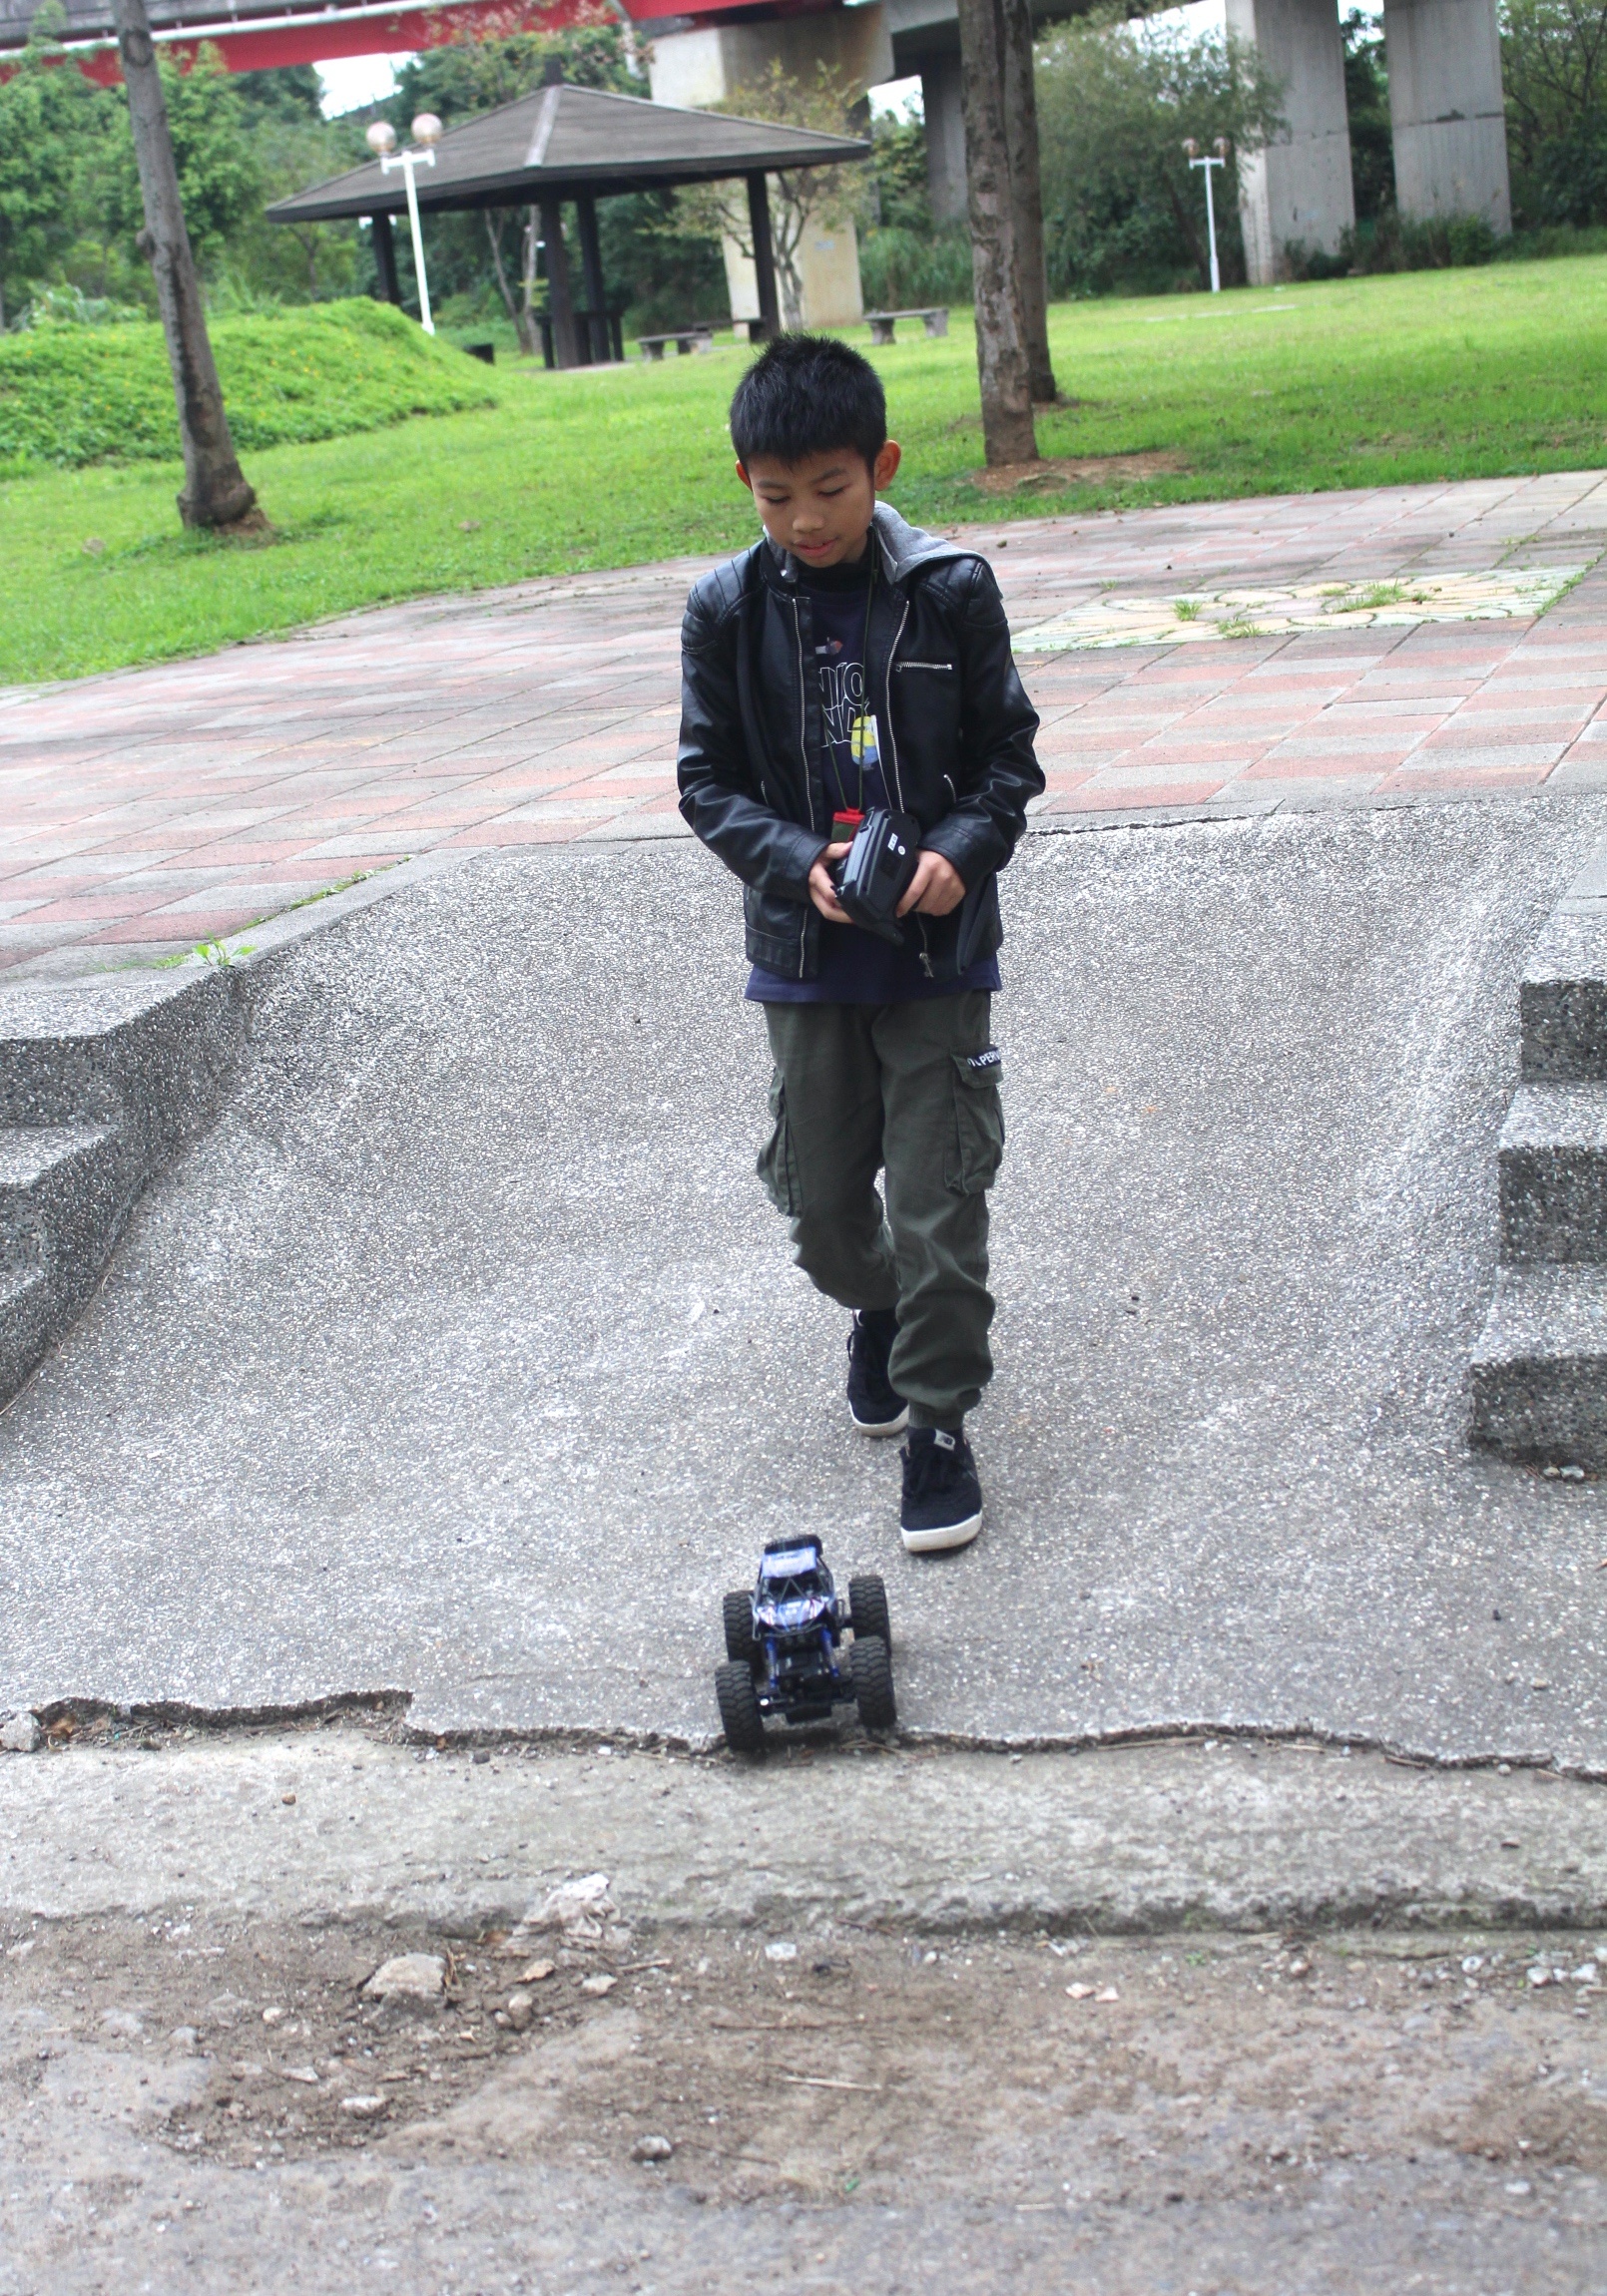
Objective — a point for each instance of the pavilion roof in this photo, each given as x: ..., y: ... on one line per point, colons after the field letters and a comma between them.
x: 560, y: 139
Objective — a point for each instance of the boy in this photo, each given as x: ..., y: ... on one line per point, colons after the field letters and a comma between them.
x: 848, y: 660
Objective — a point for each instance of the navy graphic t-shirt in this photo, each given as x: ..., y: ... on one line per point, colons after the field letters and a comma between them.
x: 857, y: 967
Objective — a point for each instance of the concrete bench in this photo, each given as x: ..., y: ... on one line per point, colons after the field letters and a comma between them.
x: 882, y: 323
x: 685, y: 339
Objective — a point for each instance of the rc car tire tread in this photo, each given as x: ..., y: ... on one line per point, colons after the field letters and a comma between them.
x: 872, y: 1669
x: 739, y: 1616
x: 868, y: 1609
x: 740, y: 1717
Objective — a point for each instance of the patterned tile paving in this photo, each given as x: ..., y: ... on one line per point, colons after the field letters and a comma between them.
x: 143, y: 811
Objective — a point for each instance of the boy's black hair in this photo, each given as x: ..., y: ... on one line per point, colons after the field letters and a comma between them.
x: 806, y: 395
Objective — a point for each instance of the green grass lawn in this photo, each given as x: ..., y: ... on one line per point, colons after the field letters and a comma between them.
x: 77, y: 395
x: 1355, y: 382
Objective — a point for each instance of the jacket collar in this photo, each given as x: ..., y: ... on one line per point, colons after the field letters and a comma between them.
x: 903, y: 548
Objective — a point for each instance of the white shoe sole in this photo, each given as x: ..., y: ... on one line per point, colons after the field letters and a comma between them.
x: 882, y: 1427
x: 941, y: 1540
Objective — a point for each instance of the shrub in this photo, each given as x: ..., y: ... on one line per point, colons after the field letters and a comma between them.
x: 1394, y: 243
x: 1115, y: 102
x: 900, y: 268
x: 77, y: 394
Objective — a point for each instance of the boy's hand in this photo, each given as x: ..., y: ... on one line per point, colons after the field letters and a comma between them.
x: 822, y: 890
x: 935, y: 888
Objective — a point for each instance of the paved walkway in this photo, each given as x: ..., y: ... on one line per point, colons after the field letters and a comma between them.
x: 147, y: 810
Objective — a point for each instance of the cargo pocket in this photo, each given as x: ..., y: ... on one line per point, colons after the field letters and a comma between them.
x: 777, y: 1163
x: 978, y: 1122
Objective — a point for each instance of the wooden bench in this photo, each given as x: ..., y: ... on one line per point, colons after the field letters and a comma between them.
x: 882, y: 323
x: 685, y: 339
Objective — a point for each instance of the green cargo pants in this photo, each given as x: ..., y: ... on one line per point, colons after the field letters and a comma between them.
x: 902, y: 1088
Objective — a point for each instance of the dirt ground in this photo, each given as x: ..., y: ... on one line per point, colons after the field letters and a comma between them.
x: 1212, y: 2113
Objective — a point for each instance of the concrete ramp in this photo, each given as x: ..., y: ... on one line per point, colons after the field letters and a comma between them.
x: 463, y: 1358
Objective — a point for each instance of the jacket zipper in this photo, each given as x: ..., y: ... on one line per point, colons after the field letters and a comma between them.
x: 892, y: 738
x: 804, y: 760
x: 898, y: 779
x: 802, y: 711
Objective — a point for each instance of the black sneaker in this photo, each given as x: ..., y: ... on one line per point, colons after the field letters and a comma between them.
x: 942, y: 1498
x: 876, y: 1407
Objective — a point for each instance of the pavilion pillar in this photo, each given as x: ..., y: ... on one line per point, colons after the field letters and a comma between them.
x: 591, y: 271
x: 560, y: 302
x: 385, y: 260
x: 769, y: 322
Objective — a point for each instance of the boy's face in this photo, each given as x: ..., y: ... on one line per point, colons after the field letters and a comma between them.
x: 819, y: 509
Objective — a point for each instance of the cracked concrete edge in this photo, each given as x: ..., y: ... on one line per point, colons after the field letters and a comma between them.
x: 328, y: 1824
x: 400, y: 1712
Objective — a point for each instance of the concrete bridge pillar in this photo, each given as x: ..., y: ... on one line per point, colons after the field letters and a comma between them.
x: 1446, y: 109
x: 1298, y: 189
x: 714, y: 63
x: 946, y: 137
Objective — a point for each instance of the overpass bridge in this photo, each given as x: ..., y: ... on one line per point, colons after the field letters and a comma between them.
x: 1444, y: 55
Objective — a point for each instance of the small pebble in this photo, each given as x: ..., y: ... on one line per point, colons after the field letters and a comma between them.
x: 650, y: 2148
x: 598, y: 1984
x: 363, y: 2107
x: 781, y: 1949
x: 21, y: 1734
x: 409, y: 1977
x: 521, y: 2009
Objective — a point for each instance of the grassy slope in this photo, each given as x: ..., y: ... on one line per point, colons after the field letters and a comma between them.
x: 77, y: 395
x: 1428, y: 376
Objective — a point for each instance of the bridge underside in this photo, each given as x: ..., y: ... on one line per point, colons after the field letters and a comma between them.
x: 1445, y: 67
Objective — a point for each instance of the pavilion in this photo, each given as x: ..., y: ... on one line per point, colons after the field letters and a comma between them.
x: 562, y: 142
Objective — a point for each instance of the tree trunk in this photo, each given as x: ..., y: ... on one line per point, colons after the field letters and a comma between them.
x: 1001, y: 351
x: 529, y: 332
x: 518, y: 313
x: 215, y: 489
x: 1026, y: 190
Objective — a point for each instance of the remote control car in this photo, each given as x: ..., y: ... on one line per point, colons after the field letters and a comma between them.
x: 784, y: 1648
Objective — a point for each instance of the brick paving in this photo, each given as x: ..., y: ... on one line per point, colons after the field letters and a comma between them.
x: 143, y: 811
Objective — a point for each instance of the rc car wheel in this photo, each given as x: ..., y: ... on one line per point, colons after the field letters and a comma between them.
x: 739, y: 1641
x: 740, y: 1716
x: 872, y: 1669
x: 867, y: 1610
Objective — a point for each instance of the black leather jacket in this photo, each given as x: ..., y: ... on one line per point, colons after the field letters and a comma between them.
x: 956, y: 737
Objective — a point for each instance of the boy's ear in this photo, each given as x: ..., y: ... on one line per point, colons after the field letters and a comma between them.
x: 743, y: 475
x: 885, y: 467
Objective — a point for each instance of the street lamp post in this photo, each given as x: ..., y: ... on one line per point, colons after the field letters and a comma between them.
x: 426, y: 132
x: 1197, y: 159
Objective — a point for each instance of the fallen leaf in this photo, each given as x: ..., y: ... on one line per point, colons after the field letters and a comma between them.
x: 536, y: 1973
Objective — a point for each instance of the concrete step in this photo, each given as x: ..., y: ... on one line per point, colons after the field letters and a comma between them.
x: 102, y: 1083
x: 65, y: 1190
x: 1552, y: 1174
x: 1538, y: 1374
x: 1562, y: 993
